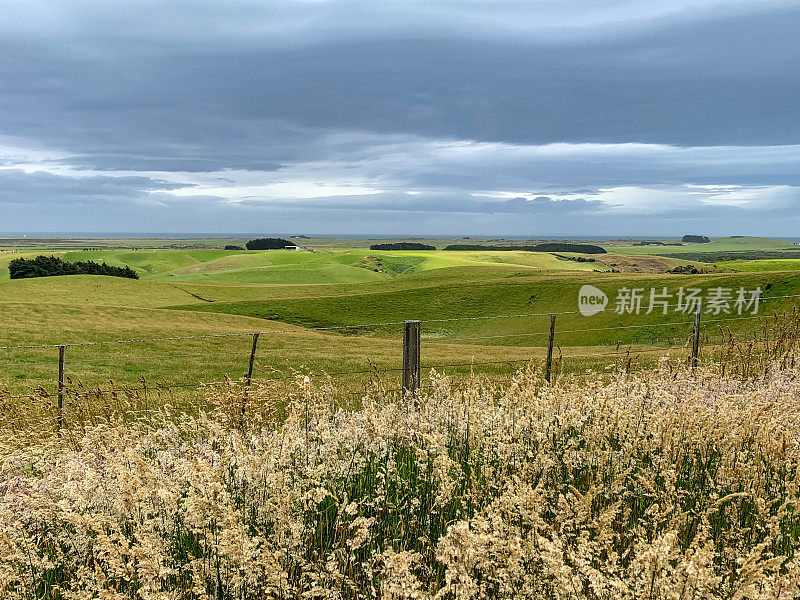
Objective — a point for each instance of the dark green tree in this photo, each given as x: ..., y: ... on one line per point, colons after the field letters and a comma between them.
x: 268, y: 244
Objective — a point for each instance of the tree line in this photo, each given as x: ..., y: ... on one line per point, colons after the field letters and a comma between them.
x: 268, y: 244
x: 52, y: 266
x: 547, y: 247
x: 402, y: 246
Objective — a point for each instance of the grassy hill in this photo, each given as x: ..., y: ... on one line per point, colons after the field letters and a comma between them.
x: 188, y: 292
x: 786, y: 264
x: 280, y: 266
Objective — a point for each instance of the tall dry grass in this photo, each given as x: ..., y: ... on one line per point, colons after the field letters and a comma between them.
x: 654, y: 485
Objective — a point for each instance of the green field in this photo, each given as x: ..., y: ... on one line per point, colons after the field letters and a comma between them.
x: 723, y: 244
x: 188, y: 292
x: 785, y: 264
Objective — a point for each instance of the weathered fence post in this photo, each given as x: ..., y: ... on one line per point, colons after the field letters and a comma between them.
x: 249, y: 376
x: 411, y: 357
x: 696, y: 336
x: 62, y: 358
x: 551, y: 339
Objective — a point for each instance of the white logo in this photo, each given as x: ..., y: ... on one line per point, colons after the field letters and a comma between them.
x: 591, y: 300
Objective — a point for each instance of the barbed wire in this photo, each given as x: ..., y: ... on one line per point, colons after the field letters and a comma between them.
x: 563, y: 331
x: 765, y: 317
x: 27, y: 362
x: 371, y: 325
x: 158, y: 386
x: 104, y: 359
x: 200, y: 337
x: 629, y: 351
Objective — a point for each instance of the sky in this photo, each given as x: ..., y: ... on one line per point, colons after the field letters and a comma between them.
x: 401, y: 117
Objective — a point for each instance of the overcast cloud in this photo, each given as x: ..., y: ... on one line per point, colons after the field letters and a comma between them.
x: 502, y: 117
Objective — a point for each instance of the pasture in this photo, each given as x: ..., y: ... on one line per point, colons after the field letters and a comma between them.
x: 189, y: 292
x: 722, y: 244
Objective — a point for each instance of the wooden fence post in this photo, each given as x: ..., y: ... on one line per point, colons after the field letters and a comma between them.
x: 249, y: 376
x: 62, y: 358
x: 411, y: 357
x: 551, y: 339
x: 696, y: 336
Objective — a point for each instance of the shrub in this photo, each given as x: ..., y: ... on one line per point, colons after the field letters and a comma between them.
x: 232, y: 247
x: 51, y: 266
x: 268, y: 244
x: 684, y: 270
x: 402, y: 246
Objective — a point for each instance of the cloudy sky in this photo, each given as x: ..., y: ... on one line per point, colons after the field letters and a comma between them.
x: 414, y: 117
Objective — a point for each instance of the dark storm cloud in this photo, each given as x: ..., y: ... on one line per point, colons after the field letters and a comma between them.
x: 719, y: 81
x: 382, y: 94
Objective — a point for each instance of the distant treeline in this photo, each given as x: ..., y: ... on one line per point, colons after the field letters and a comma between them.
x: 696, y: 239
x: 647, y: 243
x: 51, y: 266
x: 402, y: 246
x: 548, y: 247
x: 232, y: 247
x: 268, y: 244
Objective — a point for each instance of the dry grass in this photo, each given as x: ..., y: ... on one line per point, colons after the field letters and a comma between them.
x: 655, y: 485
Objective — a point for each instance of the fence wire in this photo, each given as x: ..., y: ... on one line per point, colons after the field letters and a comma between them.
x: 373, y: 326
x: 223, y: 354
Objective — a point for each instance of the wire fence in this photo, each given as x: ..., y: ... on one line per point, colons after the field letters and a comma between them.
x: 90, y: 368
